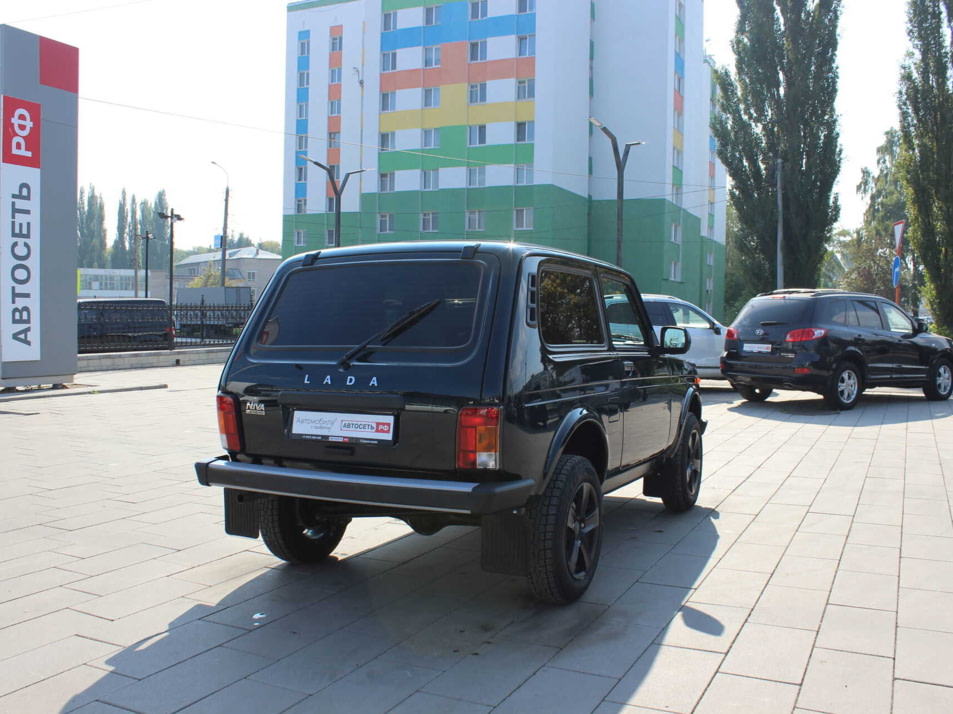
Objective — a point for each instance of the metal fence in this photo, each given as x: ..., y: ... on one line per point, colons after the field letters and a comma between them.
x: 126, y: 326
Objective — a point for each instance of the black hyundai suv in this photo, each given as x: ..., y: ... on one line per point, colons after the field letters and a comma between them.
x: 453, y: 383
x: 834, y: 343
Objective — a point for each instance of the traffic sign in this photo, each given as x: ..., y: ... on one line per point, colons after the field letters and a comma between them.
x: 896, y: 270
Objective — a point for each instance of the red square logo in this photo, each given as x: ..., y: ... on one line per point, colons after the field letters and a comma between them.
x: 21, y: 132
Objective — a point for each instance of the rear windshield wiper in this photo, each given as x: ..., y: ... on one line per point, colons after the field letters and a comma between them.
x: 390, y: 332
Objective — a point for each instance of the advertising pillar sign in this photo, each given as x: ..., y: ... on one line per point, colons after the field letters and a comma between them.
x: 38, y: 111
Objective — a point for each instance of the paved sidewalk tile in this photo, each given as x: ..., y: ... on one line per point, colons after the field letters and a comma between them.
x: 729, y: 694
x: 769, y: 652
x: 669, y: 678
x: 847, y: 683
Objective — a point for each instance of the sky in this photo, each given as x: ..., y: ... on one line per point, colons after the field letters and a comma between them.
x: 168, y: 86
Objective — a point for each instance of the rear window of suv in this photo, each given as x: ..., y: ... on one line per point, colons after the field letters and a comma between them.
x: 340, y: 306
x: 775, y: 310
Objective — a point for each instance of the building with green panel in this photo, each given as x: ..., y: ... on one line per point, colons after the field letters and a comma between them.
x: 470, y: 119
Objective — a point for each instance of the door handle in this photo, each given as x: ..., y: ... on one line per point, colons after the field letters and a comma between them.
x: 628, y: 367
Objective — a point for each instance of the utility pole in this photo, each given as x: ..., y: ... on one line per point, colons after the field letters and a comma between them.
x: 146, y: 238
x: 224, y: 223
x: 620, y: 161
x: 780, y: 227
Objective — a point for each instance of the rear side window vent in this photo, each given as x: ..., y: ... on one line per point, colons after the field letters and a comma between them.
x: 532, y: 298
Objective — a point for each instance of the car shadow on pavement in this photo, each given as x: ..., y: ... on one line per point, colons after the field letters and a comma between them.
x: 895, y: 406
x: 414, y: 625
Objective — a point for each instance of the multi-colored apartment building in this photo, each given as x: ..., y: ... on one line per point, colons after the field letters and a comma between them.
x: 470, y: 119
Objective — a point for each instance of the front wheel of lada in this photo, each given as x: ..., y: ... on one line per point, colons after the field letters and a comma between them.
x: 566, y: 532
x: 293, y: 531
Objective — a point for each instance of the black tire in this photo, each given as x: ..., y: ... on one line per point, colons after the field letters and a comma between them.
x: 293, y: 533
x: 683, y: 472
x: 566, y: 535
x: 754, y: 394
x: 939, y: 384
x: 845, y: 387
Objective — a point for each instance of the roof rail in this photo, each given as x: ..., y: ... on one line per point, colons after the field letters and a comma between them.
x: 803, y: 291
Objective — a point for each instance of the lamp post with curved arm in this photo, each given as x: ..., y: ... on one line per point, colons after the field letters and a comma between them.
x: 620, y: 161
x: 338, y: 190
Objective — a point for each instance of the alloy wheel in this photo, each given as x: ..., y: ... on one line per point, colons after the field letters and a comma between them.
x: 582, y: 530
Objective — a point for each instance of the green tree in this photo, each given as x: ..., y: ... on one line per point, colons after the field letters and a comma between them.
x: 242, y: 241
x: 120, y: 255
x: 272, y: 246
x: 91, y: 229
x: 210, y: 277
x: 739, y: 284
x: 779, y: 103
x: 926, y: 150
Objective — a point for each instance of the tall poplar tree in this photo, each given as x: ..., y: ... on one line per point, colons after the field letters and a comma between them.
x: 779, y: 104
x: 91, y: 229
x: 926, y: 154
x: 119, y: 254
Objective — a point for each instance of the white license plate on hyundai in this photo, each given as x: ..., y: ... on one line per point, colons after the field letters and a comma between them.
x: 757, y: 347
x: 343, y: 428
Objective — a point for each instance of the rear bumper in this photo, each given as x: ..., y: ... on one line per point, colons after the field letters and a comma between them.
x: 778, y: 379
x: 402, y: 493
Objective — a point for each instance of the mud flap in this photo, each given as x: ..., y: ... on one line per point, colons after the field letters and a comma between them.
x: 655, y: 484
x: 241, y: 513
x: 504, y: 546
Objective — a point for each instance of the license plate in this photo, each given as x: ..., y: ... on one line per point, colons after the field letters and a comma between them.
x: 756, y: 347
x: 343, y: 428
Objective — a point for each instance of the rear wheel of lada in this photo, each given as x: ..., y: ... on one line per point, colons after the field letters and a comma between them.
x: 293, y: 532
x: 683, y: 472
x: 566, y: 540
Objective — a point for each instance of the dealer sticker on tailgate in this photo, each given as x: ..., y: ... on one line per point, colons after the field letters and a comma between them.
x: 344, y: 428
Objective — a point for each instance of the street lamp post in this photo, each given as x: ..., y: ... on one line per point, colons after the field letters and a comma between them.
x: 146, y: 238
x: 172, y: 217
x: 338, y: 190
x: 224, y: 222
x: 620, y: 161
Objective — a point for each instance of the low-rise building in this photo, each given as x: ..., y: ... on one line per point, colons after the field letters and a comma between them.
x: 248, y: 267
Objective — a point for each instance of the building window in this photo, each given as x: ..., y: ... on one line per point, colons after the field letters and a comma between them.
x: 524, y: 6
x: 250, y: 276
x: 431, y: 138
x: 302, y: 142
x: 429, y: 222
x: 337, y: 43
x: 304, y: 48
x: 389, y: 21
x: 478, y: 9
x: 301, y: 205
x: 431, y: 97
x: 680, y: 9
x: 476, y: 176
x: 388, y: 61
x: 334, y: 139
x: 432, y: 56
x: 388, y: 101
x: 477, y: 135
x: 475, y: 221
x: 388, y: 140
x: 330, y: 239
x: 679, y: 46
x: 332, y: 204
x: 524, y: 174
x: 525, y: 131
x: 711, y: 258
x: 526, y: 46
x: 385, y: 222
x: 675, y: 271
x: 334, y: 108
x: 678, y: 121
x: 302, y: 110
x: 335, y: 171
x: 478, y: 51
x: 429, y: 179
x: 477, y: 94
x: 679, y: 83
x: 301, y: 238
x: 301, y: 174
x: 386, y: 182
x: 709, y: 284
x: 523, y: 219
x: 304, y: 78
x: 677, y: 233
x: 432, y: 15
x: 677, y: 195
x: 676, y: 157
x: 334, y: 75
x: 525, y: 89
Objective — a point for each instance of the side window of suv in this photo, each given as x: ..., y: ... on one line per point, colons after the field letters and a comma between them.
x: 568, y: 309
x: 867, y: 315
x: 687, y: 317
x: 842, y: 313
x: 897, y: 321
x: 624, y: 322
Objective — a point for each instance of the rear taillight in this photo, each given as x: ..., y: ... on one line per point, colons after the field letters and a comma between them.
x: 731, y: 334
x: 805, y: 334
x: 478, y: 438
x: 228, y: 422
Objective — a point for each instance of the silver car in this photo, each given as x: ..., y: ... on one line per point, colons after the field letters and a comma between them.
x: 708, y: 335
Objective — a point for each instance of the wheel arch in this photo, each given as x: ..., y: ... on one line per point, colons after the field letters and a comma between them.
x: 857, y: 359
x: 580, y: 433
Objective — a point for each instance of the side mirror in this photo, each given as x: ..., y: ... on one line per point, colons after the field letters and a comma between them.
x: 716, y: 329
x: 921, y: 327
x: 675, y: 340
